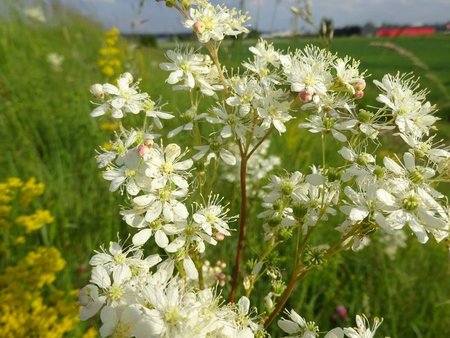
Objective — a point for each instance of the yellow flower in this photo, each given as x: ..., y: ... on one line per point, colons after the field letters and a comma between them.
x: 108, y: 71
x: 90, y: 333
x: 20, y: 240
x: 30, y: 190
x: 110, y: 54
x: 23, y: 310
x: 109, y: 126
x: 35, y: 221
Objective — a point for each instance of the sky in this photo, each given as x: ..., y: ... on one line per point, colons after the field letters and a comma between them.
x: 267, y: 15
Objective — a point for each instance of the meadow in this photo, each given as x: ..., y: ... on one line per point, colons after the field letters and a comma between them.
x: 46, y: 132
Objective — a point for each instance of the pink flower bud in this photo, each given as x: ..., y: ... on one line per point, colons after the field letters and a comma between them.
x: 305, y: 96
x: 360, y: 85
x: 341, y: 311
x: 219, y: 236
x: 221, y: 276
x: 359, y: 95
x: 142, y: 150
x: 199, y: 27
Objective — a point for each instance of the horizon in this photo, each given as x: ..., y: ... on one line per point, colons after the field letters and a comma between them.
x: 268, y: 16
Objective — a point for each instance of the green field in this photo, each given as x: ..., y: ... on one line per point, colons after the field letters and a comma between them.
x: 46, y: 132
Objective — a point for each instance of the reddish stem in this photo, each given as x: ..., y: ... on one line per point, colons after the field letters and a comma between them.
x: 285, y: 296
x: 237, y: 263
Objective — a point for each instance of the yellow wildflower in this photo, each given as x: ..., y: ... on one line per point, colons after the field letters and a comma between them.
x: 90, y: 333
x: 109, y: 126
x: 20, y: 240
x: 35, y: 221
x: 30, y: 190
x: 23, y: 310
x: 110, y: 54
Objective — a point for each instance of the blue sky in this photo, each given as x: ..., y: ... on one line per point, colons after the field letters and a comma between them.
x: 268, y: 14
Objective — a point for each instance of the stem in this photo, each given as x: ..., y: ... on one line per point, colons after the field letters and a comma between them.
x: 215, y: 57
x: 286, y: 294
x: 323, y: 149
x: 260, y: 142
x: 199, y: 266
x: 234, y: 280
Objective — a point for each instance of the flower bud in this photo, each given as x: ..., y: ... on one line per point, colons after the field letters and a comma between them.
x: 341, y: 311
x: 247, y: 282
x: 148, y: 142
x: 199, y: 27
x: 360, y: 85
x: 219, y: 236
x: 305, y: 96
x: 128, y: 77
x: 97, y: 91
x: 268, y: 301
x: 359, y: 95
x: 142, y: 150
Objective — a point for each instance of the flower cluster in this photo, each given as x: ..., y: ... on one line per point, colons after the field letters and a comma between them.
x: 31, y: 305
x: 27, y: 313
x: 134, y: 302
x: 15, y: 198
x: 110, y: 55
x: 297, y: 327
x: 215, y: 22
x: 190, y: 70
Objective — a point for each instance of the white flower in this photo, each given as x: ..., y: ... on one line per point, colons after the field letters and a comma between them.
x: 266, y: 52
x: 165, y: 167
x: 114, y: 289
x: 291, y: 186
x: 90, y: 302
x: 362, y: 204
x: 158, y: 202
x: 308, y: 71
x: 371, y: 124
x: 400, y: 96
x: 190, y: 69
x: 151, y: 110
x: 193, y: 235
x: 125, y: 322
x: 159, y: 230
x: 265, y: 63
x: 213, y: 216
x: 121, y: 99
x: 188, y: 117
x: 245, y: 91
x: 234, y: 125
x: 224, y: 154
x: 319, y: 124
x: 55, y: 60
x: 348, y: 75
x: 296, y: 326
x: 363, y: 329
x: 417, y: 209
x: 273, y: 108
x: 436, y: 153
x: 131, y: 174
x: 214, y: 23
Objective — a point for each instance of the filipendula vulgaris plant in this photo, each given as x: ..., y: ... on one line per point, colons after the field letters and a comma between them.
x: 174, y: 212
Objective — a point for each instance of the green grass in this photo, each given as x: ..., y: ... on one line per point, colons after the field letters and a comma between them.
x: 46, y: 132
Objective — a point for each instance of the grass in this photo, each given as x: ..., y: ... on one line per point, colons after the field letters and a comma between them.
x: 46, y: 132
